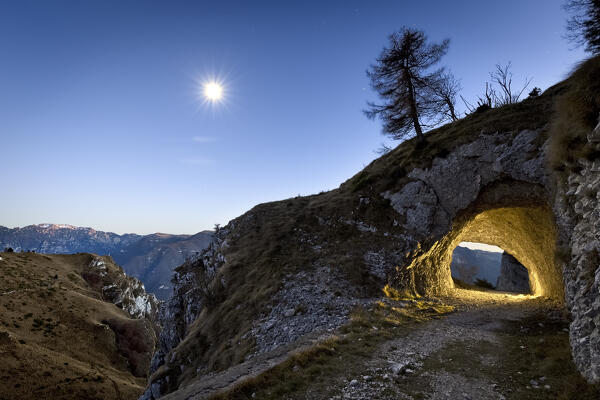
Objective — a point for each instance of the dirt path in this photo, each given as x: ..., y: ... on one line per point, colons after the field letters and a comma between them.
x: 448, y: 358
x: 493, y: 347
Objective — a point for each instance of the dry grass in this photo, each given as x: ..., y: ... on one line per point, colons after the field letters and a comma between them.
x: 54, y: 344
x: 317, y: 367
x: 268, y: 248
x: 576, y: 114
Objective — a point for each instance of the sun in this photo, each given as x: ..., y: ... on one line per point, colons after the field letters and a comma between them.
x: 213, y: 91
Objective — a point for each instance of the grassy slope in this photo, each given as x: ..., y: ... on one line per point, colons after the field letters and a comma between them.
x: 269, y: 242
x: 52, y: 340
x: 576, y: 114
x: 327, y: 362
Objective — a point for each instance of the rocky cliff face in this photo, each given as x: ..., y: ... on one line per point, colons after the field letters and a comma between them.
x: 392, y: 227
x: 124, y: 291
x: 513, y: 276
x: 192, y: 288
x: 150, y: 258
x: 577, y: 209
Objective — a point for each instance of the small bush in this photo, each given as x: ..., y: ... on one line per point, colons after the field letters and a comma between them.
x: 484, y: 284
x: 535, y: 92
x: 482, y: 108
x: 8, y: 250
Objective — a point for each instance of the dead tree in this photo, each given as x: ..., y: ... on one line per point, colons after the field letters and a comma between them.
x: 502, y: 77
x: 446, y: 89
x: 499, y: 92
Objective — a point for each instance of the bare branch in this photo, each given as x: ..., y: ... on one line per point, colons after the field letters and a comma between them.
x: 502, y: 77
x: 383, y: 149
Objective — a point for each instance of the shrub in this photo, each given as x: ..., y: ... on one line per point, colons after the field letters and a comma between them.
x: 482, y: 108
x: 8, y: 250
x: 535, y: 92
x: 484, y: 284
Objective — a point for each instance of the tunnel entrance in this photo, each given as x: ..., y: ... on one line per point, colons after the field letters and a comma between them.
x: 527, y: 232
x: 481, y: 266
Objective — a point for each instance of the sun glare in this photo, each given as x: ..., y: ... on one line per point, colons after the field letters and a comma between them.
x: 213, y: 91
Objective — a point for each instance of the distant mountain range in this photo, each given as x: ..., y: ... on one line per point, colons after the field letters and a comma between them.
x: 150, y: 258
x: 469, y: 265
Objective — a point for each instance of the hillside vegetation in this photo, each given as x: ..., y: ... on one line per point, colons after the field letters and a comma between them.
x: 313, y: 258
x: 60, y: 338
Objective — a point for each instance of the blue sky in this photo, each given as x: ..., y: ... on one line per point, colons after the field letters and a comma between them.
x: 101, y: 123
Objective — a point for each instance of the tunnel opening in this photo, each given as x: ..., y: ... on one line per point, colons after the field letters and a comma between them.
x: 527, y: 233
x: 481, y: 266
x: 512, y: 215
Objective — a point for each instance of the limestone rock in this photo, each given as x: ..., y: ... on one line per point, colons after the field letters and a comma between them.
x: 514, y: 277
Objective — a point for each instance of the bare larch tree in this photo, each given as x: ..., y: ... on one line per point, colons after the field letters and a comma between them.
x: 404, y: 81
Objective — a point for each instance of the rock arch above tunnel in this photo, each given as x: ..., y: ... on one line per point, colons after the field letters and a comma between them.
x: 490, y: 190
x: 528, y: 233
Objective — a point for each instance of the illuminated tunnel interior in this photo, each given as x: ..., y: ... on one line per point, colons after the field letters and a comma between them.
x: 523, y: 227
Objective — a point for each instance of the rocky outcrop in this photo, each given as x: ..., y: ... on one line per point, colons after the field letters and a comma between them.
x: 136, y: 338
x: 578, y: 215
x: 514, y: 277
x: 191, y: 283
x: 485, y: 191
x: 124, y: 291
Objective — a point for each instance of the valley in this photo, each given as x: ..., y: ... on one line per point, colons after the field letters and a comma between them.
x: 150, y: 258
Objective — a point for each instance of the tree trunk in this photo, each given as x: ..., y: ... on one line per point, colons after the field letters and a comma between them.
x: 451, y: 110
x: 414, y: 113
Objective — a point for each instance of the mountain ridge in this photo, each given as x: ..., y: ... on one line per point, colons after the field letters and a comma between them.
x: 150, y: 258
